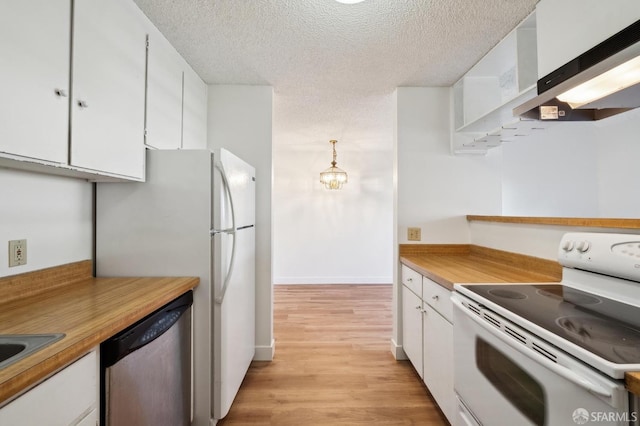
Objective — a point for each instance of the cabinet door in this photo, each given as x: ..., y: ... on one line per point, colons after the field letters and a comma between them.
x: 194, y: 120
x: 34, y: 70
x: 164, y: 93
x: 107, y: 109
x: 438, y: 360
x: 412, y: 328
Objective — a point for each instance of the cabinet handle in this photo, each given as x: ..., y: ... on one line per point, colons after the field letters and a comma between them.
x: 418, y: 307
x: 436, y: 297
x: 83, y: 104
x: 410, y: 279
x: 60, y: 92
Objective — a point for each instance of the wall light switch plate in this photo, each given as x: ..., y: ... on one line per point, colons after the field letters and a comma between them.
x: 17, y: 252
x: 413, y: 234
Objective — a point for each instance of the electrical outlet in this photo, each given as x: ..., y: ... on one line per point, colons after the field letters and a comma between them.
x: 413, y: 234
x: 17, y: 252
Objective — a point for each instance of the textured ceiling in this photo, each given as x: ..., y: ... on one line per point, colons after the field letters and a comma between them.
x: 302, y: 46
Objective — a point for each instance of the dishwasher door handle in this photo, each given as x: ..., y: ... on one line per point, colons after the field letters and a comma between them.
x: 144, y: 331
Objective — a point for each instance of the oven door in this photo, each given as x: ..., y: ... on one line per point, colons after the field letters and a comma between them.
x: 502, y: 378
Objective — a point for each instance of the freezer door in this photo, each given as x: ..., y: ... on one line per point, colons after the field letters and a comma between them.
x: 233, y: 210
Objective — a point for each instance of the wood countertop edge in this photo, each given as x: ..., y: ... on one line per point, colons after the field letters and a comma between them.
x: 632, y: 382
x: 427, y: 273
x: 584, y: 222
x: 60, y: 354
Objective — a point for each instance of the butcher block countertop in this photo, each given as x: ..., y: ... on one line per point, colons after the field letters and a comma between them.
x: 447, y: 264
x: 68, y: 299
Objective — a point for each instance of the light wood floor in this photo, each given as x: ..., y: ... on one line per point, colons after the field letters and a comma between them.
x: 333, y: 364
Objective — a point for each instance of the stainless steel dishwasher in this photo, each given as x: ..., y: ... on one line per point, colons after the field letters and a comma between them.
x: 146, y: 369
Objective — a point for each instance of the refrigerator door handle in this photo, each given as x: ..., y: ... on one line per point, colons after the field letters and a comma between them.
x: 231, y: 231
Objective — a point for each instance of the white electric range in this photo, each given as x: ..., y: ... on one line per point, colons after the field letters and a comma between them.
x: 553, y: 354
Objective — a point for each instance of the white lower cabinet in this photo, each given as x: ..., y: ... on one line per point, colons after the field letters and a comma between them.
x: 437, y: 359
x: 69, y: 397
x: 427, y: 338
x: 412, y: 328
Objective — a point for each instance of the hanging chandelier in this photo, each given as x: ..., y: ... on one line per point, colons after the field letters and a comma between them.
x: 334, y: 177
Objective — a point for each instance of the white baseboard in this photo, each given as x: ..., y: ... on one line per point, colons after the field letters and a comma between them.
x: 397, y: 351
x: 265, y: 353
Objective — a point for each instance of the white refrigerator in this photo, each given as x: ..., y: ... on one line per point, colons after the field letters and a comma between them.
x: 194, y: 216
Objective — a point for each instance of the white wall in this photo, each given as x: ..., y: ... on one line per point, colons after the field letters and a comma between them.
x: 533, y: 240
x: 333, y: 236
x: 618, y: 157
x: 552, y: 172
x: 240, y: 120
x: 578, y: 169
x: 436, y: 190
x: 54, y: 215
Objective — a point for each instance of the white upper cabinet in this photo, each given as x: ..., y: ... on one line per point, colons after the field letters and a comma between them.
x: 164, y: 93
x: 194, y: 133
x: 80, y: 111
x: 176, y: 98
x: 81, y: 90
x: 108, y: 94
x: 569, y: 28
x: 484, y: 98
x: 34, y: 51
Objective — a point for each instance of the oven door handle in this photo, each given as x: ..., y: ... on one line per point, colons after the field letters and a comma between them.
x: 556, y: 368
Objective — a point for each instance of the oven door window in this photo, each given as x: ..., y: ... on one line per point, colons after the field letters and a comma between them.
x: 516, y: 385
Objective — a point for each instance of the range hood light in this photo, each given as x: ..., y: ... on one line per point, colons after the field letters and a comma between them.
x: 619, y: 78
x: 599, y: 83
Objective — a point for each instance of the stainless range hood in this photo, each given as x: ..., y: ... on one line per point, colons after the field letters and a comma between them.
x: 601, y: 82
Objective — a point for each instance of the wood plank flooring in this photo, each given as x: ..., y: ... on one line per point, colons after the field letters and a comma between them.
x: 333, y: 364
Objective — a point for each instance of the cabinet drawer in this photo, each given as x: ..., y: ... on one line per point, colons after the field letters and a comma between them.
x: 62, y: 399
x: 90, y: 420
x: 438, y: 297
x: 412, y: 280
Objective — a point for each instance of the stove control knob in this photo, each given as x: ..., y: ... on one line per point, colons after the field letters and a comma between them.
x: 567, y: 246
x: 583, y: 246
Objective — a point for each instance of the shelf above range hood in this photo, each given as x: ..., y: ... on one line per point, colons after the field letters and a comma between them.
x: 617, y: 56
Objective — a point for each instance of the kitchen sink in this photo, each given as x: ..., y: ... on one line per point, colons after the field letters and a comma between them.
x: 14, y: 347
